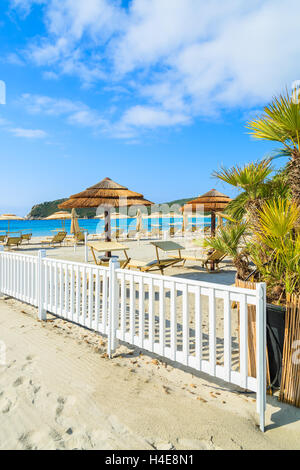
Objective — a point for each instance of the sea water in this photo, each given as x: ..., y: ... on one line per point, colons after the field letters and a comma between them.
x: 41, y: 228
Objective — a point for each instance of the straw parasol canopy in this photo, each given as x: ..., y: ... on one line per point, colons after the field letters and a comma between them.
x: 10, y: 217
x: 107, y: 194
x: 212, y: 201
x: 60, y: 215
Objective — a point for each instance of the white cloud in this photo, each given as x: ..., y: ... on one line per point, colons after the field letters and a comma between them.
x: 76, y: 113
x: 141, y: 116
x: 25, y: 5
x: 179, y: 58
x: 28, y: 133
x: 38, y: 104
x: 14, y: 59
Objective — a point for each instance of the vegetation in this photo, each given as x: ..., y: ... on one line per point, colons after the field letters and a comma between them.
x: 277, y: 252
x: 40, y: 211
x: 264, y: 230
x: 256, y: 188
x: 228, y: 241
x: 280, y: 122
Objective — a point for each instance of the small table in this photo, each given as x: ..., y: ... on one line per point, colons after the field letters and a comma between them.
x: 108, y: 247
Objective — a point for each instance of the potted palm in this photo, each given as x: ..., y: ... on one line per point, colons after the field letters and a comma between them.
x: 269, y: 216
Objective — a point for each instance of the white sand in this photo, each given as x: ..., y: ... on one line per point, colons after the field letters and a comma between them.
x: 59, y: 391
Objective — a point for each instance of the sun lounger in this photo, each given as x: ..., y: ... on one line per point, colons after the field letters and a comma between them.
x: 159, y: 264
x: 207, y: 260
x: 213, y: 258
x: 56, y: 240
x: 12, y: 241
x: 117, y: 233
x: 76, y: 239
x: 26, y: 237
x: 131, y: 235
x: 156, y: 233
x: 2, y: 238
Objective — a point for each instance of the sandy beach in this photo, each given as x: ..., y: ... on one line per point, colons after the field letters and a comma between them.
x: 58, y: 390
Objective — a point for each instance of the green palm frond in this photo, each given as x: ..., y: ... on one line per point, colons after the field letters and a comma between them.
x: 227, y: 239
x: 237, y: 207
x: 278, y: 218
x: 280, y: 122
x: 248, y: 177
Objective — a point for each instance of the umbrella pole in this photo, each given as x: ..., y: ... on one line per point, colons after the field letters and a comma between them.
x: 172, y: 226
x: 213, y: 233
x: 107, y: 230
x: 213, y: 224
x: 160, y: 223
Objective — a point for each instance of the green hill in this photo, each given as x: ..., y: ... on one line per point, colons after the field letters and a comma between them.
x: 179, y: 202
x: 40, y: 211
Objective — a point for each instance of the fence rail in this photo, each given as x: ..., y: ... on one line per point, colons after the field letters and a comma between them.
x: 190, y: 322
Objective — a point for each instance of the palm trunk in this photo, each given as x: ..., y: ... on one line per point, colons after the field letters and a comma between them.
x: 294, y: 176
x: 253, y: 207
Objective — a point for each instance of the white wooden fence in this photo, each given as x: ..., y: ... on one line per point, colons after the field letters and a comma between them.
x: 190, y: 322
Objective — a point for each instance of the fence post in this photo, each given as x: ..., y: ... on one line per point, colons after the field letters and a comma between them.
x: 113, y: 305
x: 86, y: 248
x: 261, y: 345
x: 1, y: 267
x: 41, y: 285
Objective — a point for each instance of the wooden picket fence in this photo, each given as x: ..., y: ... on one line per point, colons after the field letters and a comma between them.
x: 290, y: 379
x: 160, y: 314
x: 252, y: 334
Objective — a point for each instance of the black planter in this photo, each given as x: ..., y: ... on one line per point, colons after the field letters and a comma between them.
x: 275, y: 341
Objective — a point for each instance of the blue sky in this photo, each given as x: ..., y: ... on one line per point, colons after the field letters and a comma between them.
x: 152, y: 93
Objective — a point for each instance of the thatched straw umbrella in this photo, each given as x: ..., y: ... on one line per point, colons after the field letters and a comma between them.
x: 211, y: 202
x: 60, y: 215
x: 10, y: 217
x: 107, y: 194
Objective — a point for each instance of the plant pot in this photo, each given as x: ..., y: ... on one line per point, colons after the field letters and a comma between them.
x: 275, y: 341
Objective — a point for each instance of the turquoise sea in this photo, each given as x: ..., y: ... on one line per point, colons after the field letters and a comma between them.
x: 40, y: 228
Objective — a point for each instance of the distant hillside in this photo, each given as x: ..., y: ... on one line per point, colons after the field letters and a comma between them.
x: 40, y: 211
x: 180, y: 202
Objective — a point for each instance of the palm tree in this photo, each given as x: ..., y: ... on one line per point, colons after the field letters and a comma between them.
x: 249, y: 178
x: 280, y: 122
x: 227, y: 241
x: 277, y: 251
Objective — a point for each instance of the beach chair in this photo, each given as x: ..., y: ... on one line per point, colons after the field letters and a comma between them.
x: 213, y: 258
x: 55, y: 240
x: 156, y: 233
x: 26, y: 237
x: 207, y: 260
x: 131, y: 235
x: 12, y: 241
x: 159, y: 264
x: 117, y: 233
